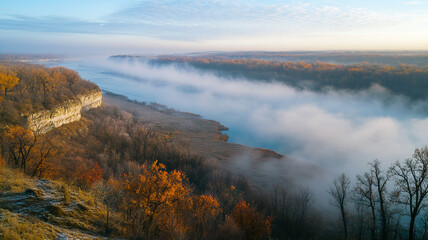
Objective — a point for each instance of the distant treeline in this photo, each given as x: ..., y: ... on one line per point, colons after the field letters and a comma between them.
x: 419, y: 58
x: 408, y: 80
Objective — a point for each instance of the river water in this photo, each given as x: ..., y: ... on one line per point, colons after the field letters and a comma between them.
x: 337, y: 130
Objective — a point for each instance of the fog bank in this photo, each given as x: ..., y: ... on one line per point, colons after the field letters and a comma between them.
x: 338, y: 131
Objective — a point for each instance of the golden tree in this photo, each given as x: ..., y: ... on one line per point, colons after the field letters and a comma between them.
x: 252, y: 222
x: 8, y: 80
x: 155, y: 202
x: 20, y: 144
x: 206, y: 209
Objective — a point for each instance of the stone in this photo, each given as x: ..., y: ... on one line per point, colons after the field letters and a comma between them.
x: 68, y: 112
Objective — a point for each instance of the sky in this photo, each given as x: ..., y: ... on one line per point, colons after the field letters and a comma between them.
x: 173, y: 26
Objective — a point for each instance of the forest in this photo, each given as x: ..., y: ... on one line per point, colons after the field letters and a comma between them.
x: 407, y: 80
x: 155, y: 188
x: 392, y: 58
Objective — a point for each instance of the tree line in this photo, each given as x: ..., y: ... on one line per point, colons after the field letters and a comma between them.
x: 27, y: 88
x: 385, y: 203
x: 408, y: 80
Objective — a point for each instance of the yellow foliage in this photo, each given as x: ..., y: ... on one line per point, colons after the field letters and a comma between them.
x: 155, y: 196
x: 8, y: 80
x: 251, y: 222
x: 206, y: 206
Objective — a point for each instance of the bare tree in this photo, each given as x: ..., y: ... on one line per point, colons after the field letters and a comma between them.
x: 44, y: 151
x: 365, y: 195
x: 109, y: 193
x: 371, y: 192
x: 411, y: 179
x: 381, y: 179
x: 340, y: 191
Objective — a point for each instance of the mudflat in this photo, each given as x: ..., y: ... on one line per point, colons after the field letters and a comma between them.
x: 205, y: 137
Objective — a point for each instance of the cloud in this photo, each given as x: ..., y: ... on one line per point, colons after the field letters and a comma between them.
x: 413, y: 3
x: 207, y: 20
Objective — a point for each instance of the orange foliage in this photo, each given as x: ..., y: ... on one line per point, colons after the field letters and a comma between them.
x: 155, y: 199
x: 8, y: 80
x: 355, y: 69
x: 206, y: 208
x: 250, y: 221
x: 20, y: 143
x: 89, y: 177
x: 44, y: 152
x: 2, y: 163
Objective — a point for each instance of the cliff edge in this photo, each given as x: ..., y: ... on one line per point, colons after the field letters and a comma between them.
x: 68, y: 112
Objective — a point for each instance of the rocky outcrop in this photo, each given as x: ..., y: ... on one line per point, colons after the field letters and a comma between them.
x: 68, y: 112
x: 91, y: 100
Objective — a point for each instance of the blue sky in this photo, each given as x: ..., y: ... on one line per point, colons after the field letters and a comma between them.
x: 166, y: 26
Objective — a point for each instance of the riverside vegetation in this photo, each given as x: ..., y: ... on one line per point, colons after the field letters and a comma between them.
x: 109, y: 175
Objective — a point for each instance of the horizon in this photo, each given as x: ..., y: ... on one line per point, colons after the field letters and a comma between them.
x: 171, y: 26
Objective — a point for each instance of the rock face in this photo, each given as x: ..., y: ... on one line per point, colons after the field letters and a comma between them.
x: 70, y: 111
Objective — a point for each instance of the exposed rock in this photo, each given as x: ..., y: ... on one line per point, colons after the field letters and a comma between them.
x: 33, y: 192
x: 55, y: 210
x: 82, y: 207
x: 70, y: 111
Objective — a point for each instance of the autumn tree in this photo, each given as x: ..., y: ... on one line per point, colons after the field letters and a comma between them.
x: 340, y: 192
x: 411, y: 180
x: 88, y: 176
x: 253, y: 223
x: 20, y: 144
x: 71, y: 76
x: 2, y: 163
x: 206, y: 208
x: 155, y: 200
x: 44, y: 152
x: 229, y: 229
x: 46, y: 82
x: 7, y: 81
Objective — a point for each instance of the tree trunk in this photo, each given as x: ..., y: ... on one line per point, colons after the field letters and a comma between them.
x: 411, y: 227
x: 345, y: 228
x: 373, y: 230
x: 107, y: 227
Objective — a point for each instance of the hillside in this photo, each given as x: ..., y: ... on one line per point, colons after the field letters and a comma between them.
x: 154, y: 185
x: 45, y: 209
x: 28, y: 88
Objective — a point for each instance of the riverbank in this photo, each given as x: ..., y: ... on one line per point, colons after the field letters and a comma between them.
x: 263, y: 167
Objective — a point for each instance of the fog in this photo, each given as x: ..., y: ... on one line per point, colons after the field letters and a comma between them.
x: 331, y: 131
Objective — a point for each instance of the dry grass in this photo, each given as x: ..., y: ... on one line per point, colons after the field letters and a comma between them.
x: 62, y: 209
x: 13, y: 181
x: 86, y: 197
x: 15, y: 227
x: 66, y: 193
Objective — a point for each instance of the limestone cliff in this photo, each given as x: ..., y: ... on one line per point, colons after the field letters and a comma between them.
x: 68, y: 112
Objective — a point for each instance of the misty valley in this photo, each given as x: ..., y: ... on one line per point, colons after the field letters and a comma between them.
x: 356, y: 116
x: 243, y: 145
x: 213, y: 120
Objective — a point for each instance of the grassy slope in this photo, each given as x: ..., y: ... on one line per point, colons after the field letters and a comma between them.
x: 44, y: 209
